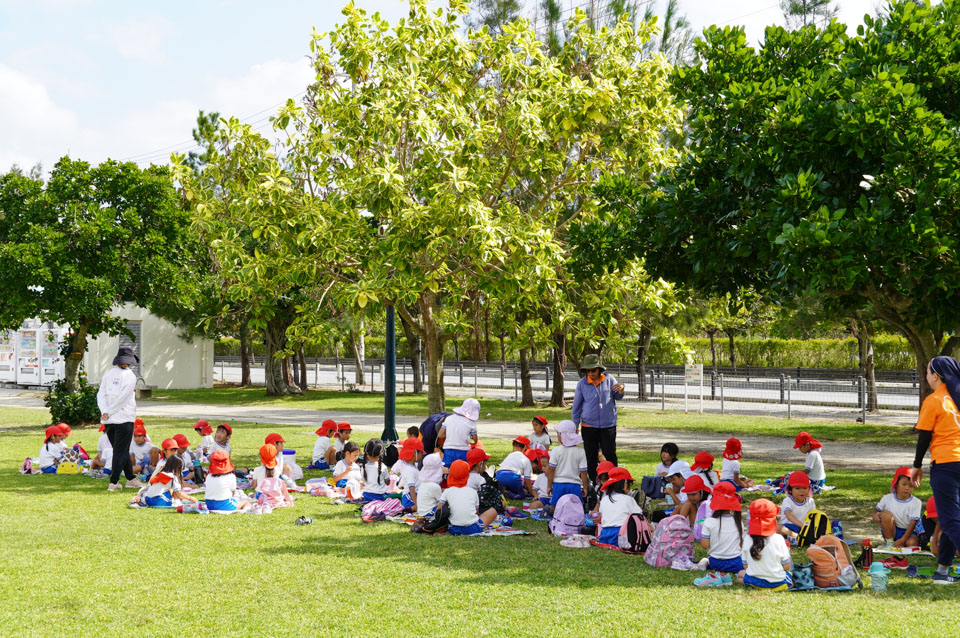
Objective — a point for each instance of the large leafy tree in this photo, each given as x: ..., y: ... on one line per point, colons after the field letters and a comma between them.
x: 89, y: 239
x: 821, y: 162
x: 465, y: 152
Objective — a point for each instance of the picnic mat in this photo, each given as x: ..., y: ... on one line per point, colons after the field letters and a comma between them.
x: 902, y: 551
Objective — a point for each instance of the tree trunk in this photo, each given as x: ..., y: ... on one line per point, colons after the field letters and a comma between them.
x: 526, y: 387
x: 733, y: 352
x: 302, y: 357
x: 245, y: 348
x: 860, y: 329
x: 413, y: 349
x: 503, y: 348
x: 290, y: 375
x: 643, y: 349
x: 433, y: 342
x: 357, y: 346
x: 275, y: 339
x: 456, y: 349
x: 559, y: 361
x: 486, y: 331
x: 78, y: 345
x: 713, y: 351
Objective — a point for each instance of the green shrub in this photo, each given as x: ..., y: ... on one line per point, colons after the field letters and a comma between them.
x: 73, y: 408
x: 891, y: 352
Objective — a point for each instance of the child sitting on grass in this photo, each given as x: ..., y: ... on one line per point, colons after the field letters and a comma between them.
x: 375, y: 473
x: 104, y: 458
x: 567, y: 470
x: 898, y: 512
x: 477, y: 460
x: 221, y: 483
x: 205, y: 432
x: 406, y: 468
x: 541, y: 436
x: 765, y: 553
x: 142, y: 453
x: 730, y: 466
x: 515, y: 472
x: 703, y: 466
x: 221, y: 439
x: 52, y: 450
x: 696, y: 492
x: 431, y: 470
x: 668, y: 456
x: 347, y: 468
x: 464, y: 503
x: 165, y: 486
x: 796, y: 505
x: 722, y: 537
x: 813, y: 462
x: 318, y: 459
x: 616, y: 505
x: 336, y: 451
x: 272, y: 490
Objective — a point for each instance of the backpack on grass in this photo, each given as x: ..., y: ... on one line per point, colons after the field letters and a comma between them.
x: 567, y: 516
x: 635, y: 535
x: 815, y: 525
x: 652, y: 486
x: 672, y: 537
x: 832, y: 563
x: 490, y: 496
x: 380, y: 510
x: 436, y: 524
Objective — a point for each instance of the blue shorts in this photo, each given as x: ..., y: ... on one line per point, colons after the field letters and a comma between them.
x: 609, y: 535
x: 318, y: 465
x: 50, y: 469
x: 406, y: 501
x: 726, y: 565
x: 222, y: 505
x: 734, y: 484
x: 513, y: 483
x: 163, y: 500
x: 760, y: 583
x: 449, y: 456
x: 793, y: 528
x: 369, y: 496
x: 918, y: 528
x: 465, y: 530
x: 562, y: 489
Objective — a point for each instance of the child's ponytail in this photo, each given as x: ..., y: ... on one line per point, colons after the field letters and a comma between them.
x: 620, y: 487
x: 758, y: 543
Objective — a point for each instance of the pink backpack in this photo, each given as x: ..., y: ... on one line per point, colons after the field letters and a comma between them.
x: 568, y: 516
x: 672, y: 538
x: 379, y: 510
x: 635, y: 534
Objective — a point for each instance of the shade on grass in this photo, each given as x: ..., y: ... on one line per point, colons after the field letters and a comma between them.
x: 76, y: 560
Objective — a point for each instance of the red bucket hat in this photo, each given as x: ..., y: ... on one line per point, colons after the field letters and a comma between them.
x: 169, y: 444
x: 694, y: 483
x: 931, y: 508
x: 268, y: 455
x: 201, y: 424
x: 182, y: 440
x: 326, y: 428
x: 459, y: 473
x: 733, y: 449
x: 476, y: 455
x: 343, y: 426
x: 138, y: 422
x: 763, y: 517
x: 901, y: 471
x: 64, y: 429
x: 798, y: 479
x: 408, y: 449
x: 541, y: 419
x: 53, y: 430
x: 725, y: 497
x: 702, y: 461
x: 616, y: 475
x: 803, y: 438
x: 522, y: 440
x: 139, y: 431
x: 604, y: 468
x: 227, y: 428
x: 220, y: 462
x: 273, y: 437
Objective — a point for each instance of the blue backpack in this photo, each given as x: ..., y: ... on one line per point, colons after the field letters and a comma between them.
x: 429, y: 430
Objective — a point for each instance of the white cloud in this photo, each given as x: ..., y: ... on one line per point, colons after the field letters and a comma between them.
x: 260, y: 88
x: 140, y: 40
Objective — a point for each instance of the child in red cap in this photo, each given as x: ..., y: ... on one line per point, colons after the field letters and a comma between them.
x: 813, y: 462
x: 616, y: 505
x: 104, y: 457
x: 722, y: 537
x: 51, y: 451
x: 143, y: 455
x: 796, y: 505
x: 221, y: 439
x: 477, y: 460
x: 540, y: 439
x: 898, y: 513
x: 697, y: 492
x: 165, y: 487
x: 271, y: 489
x: 319, y: 459
x: 515, y: 473
x: 411, y: 451
x: 730, y: 466
x: 203, y: 428
x: 703, y: 465
x: 464, y: 503
x: 344, y: 430
x: 221, y: 485
x: 765, y: 553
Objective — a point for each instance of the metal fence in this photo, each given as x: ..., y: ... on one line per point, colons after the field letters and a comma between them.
x: 783, y: 392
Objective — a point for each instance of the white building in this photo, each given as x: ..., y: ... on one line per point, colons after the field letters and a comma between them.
x: 31, y: 355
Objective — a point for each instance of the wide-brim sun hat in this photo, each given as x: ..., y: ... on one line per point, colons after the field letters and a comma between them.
x: 126, y: 356
x: 220, y: 462
x: 763, y: 517
x: 590, y: 362
x: 469, y: 410
x: 567, y: 430
x: 616, y: 475
x: 733, y: 449
x: 702, y: 461
x: 725, y: 497
x: 268, y: 455
x: 459, y: 473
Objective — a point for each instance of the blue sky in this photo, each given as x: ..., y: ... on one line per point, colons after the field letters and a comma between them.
x: 125, y: 79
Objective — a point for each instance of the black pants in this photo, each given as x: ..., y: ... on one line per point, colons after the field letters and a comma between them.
x: 595, y: 440
x: 120, y: 435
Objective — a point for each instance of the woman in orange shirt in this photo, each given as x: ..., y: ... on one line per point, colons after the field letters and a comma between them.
x: 939, y: 428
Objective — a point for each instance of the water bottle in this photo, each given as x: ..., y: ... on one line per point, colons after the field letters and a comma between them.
x: 878, y: 577
x: 867, y: 553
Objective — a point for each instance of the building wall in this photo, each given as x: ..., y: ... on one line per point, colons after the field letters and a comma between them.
x: 166, y: 361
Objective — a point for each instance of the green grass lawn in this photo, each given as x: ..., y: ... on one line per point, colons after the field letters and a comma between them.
x: 77, y: 560
x: 501, y: 410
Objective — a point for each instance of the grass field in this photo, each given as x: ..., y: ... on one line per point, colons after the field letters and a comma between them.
x: 500, y: 410
x: 78, y: 561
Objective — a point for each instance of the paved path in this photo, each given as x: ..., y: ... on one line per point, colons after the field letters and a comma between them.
x: 850, y: 455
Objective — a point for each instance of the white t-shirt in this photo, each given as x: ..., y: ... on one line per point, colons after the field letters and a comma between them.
x: 187, y: 459
x: 341, y: 467
x: 662, y: 470
x: 775, y: 553
x: 140, y: 452
x: 475, y: 481
x: 50, y: 452
x: 568, y: 462
x: 206, y: 443
x: 105, y: 449
x: 372, y: 482
x: 459, y: 429
x: 320, y: 449
x: 540, y: 486
x: 723, y: 536
x: 517, y: 463
x: 428, y: 495
x: 220, y: 487
x: 226, y: 447
x: 115, y: 397
x: 903, y: 511
x: 409, y: 475
x: 814, y: 465
x: 338, y: 444
x: 800, y: 510
x: 728, y: 468
x: 156, y: 489
x: 541, y: 439
x: 615, y: 508
x: 709, y: 477
x: 463, y: 503
x: 259, y: 475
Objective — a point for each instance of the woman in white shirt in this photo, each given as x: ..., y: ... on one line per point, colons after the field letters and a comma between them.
x: 118, y: 411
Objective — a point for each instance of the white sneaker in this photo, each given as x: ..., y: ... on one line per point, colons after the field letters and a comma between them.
x: 703, y: 563
x: 137, y: 483
x: 114, y: 487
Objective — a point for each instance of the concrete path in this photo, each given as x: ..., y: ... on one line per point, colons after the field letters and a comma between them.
x: 850, y: 455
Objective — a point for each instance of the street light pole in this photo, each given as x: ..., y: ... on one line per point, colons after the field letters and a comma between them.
x: 390, y: 382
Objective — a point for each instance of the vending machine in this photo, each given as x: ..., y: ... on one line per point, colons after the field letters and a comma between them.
x: 51, y: 359
x: 8, y: 356
x: 28, y: 357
